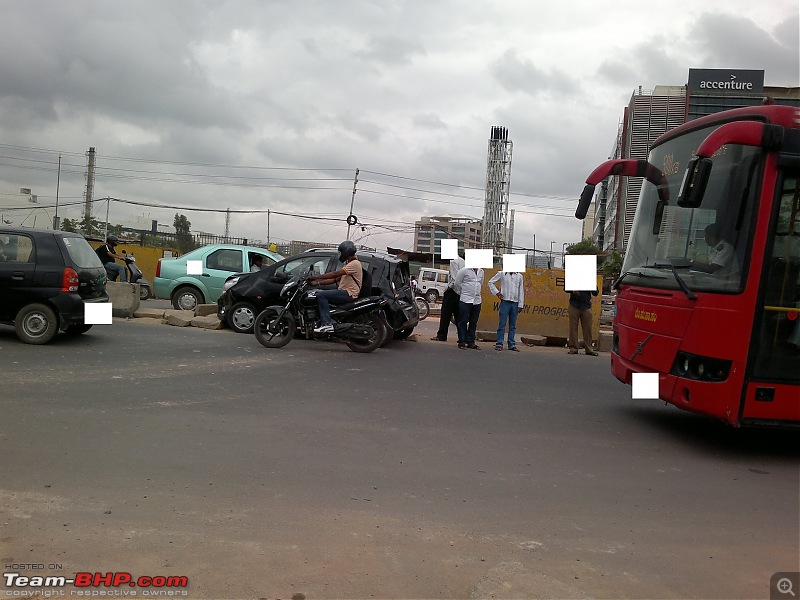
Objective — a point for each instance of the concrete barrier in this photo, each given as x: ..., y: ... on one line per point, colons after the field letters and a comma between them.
x: 207, y: 322
x: 605, y: 342
x: 124, y: 298
x: 203, y: 310
x: 178, y: 318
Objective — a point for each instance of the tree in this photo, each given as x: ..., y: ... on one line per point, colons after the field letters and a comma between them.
x: 612, y: 266
x: 69, y: 225
x: 586, y: 246
x: 90, y: 226
x: 183, y: 236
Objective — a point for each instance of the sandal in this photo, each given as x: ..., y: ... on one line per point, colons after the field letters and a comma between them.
x: 514, y: 349
x: 498, y: 347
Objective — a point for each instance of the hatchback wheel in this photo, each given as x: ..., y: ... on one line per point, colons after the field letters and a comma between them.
x: 241, y: 317
x: 36, y: 324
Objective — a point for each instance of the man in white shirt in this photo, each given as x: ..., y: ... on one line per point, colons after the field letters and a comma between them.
x: 721, y: 254
x: 512, y: 298
x: 449, y: 301
x: 468, y: 285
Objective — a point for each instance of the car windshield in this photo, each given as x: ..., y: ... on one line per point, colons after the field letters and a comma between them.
x: 81, y: 253
x: 697, y: 249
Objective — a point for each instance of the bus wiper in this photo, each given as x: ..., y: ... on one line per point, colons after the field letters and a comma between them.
x: 681, y: 283
x: 626, y: 273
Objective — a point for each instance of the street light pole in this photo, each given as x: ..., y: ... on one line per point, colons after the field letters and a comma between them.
x: 550, y: 262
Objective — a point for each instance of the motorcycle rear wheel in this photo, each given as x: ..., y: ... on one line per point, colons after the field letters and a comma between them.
x: 375, y: 322
x: 423, y: 307
x: 285, y: 329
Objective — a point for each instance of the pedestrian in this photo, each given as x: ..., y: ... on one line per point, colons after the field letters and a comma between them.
x: 450, y: 301
x: 414, y: 286
x: 468, y: 285
x: 580, y: 311
x: 512, y: 298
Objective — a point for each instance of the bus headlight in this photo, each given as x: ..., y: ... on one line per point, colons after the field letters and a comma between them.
x: 701, y: 368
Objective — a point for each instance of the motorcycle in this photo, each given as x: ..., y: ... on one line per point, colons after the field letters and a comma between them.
x: 135, y: 275
x: 423, y: 307
x: 360, y: 324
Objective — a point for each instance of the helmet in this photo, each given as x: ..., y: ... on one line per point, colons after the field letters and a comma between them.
x: 346, y: 250
x: 112, y: 239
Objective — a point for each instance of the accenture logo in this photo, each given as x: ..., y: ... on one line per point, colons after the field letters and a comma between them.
x: 732, y: 84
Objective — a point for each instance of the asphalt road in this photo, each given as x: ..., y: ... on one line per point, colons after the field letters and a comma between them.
x: 417, y: 471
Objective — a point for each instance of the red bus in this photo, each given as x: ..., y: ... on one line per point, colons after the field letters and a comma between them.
x: 709, y: 293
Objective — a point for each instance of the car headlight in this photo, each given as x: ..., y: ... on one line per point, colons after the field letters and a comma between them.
x: 229, y: 283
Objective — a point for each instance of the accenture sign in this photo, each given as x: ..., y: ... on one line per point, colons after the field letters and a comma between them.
x: 726, y: 80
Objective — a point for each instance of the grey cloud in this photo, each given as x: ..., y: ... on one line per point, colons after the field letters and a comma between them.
x: 736, y: 41
x: 518, y: 75
x: 428, y: 121
x: 390, y: 50
x: 128, y: 65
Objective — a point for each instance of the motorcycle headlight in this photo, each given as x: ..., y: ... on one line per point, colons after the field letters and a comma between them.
x: 229, y: 283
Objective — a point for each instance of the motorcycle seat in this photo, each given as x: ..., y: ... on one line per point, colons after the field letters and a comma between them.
x: 357, y: 302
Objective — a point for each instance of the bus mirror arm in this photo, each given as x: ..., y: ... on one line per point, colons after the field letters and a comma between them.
x: 622, y: 167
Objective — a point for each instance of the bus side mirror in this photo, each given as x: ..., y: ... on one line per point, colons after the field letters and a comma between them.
x: 694, y: 183
x: 659, y: 216
x: 586, y: 199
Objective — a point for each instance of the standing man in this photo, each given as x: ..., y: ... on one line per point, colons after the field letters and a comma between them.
x: 580, y: 311
x: 450, y: 300
x: 512, y: 298
x: 468, y: 285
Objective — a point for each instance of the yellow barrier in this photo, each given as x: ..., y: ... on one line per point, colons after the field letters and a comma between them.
x: 146, y: 257
x: 545, y: 311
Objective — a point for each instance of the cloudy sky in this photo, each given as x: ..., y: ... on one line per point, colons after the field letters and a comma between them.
x: 267, y: 104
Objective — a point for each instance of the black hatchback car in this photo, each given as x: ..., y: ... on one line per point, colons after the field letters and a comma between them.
x: 245, y: 295
x: 46, y: 277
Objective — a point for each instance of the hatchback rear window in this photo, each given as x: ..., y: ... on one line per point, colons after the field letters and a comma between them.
x: 81, y: 253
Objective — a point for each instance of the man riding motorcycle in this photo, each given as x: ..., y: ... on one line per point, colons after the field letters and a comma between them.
x: 350, y: 277
x: 107, y: 254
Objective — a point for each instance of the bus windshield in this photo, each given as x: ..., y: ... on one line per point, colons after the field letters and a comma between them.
x: 702, y: 249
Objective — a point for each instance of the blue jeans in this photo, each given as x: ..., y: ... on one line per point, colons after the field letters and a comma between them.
x: 112, y: 268
x: 327, y: 297
x: 467, y: 313
x: 508, y: 312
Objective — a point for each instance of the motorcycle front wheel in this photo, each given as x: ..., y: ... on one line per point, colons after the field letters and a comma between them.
x: 375, y: 323
x: 272, y: 333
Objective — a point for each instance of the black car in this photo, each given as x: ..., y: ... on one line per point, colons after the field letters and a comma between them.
x: 46, y: 278
x: 245, y: 295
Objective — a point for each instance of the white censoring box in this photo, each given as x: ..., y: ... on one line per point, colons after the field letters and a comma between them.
x: 449, y: 249
x: 97, y: 313
x: 580, y: 272
x: 478, y: 258
x: 514, y: 263
x: 194, y: 267
x: 644, y: 386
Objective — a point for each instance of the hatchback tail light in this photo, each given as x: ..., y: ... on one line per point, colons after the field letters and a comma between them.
x: 158, y: 268
x: 69, y: 281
